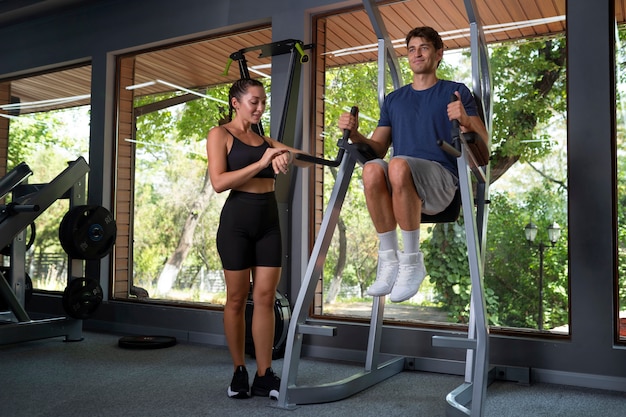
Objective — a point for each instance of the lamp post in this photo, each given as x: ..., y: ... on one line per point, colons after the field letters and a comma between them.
x: 554, y: 233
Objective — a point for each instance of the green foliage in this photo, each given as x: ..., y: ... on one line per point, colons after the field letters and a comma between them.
x: 46, y: 142
x: 529, y: 94
x: 445, y: 258
x: 621, y: 166
x: 201, y: 115
x: 345, y: 87
x: 447, y: 264
x: 171, y: 166
x: 513, y: 264
x: 621, y: 228
x: 353, y: 85
x: 529, y: 84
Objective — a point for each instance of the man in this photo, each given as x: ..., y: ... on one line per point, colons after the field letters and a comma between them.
x: 420, y: 177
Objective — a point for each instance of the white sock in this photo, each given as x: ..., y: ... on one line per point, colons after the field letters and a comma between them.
x: 411, y: 240
x: 388, y: 241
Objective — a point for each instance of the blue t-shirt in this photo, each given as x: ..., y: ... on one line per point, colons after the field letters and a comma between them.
x: 419, y: 118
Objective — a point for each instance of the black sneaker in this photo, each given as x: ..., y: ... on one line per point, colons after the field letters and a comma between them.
x: 267, y: 385
x: 239, y: 386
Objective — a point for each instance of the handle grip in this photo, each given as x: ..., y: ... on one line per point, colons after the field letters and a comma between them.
x: 455, y: 132
x: 455, y: 123
x: 346, y: 132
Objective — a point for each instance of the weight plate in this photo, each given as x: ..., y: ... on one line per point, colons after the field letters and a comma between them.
x: 146, y: 342
x: 82, y: 297
x: 87, y: 232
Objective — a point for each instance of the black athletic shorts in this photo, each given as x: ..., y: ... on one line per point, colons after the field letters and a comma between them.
x: 249, y: 231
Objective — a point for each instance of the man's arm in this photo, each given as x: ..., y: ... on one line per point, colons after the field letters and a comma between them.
x: 479, y: 146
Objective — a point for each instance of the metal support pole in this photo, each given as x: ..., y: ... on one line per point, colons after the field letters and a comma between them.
x: 542, y: 247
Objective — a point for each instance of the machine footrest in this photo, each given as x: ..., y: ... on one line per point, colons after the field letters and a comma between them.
x: 317, y: 330
x: 454, y: 342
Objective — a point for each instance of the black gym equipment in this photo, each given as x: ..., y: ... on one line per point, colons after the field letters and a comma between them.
x: 295, y: 49
x: 28, y: 288
x: 13, y: 178
x: 288, y: 133
x: 82, y: 295
x: 87, y: 232
x: 6, y: 251
x: 146, y: 342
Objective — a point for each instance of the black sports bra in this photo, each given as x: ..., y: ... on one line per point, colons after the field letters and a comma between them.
x: 241, y: 155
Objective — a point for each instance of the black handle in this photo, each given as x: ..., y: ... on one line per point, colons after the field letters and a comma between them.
x: 455, y: 123
x: 455, y: 132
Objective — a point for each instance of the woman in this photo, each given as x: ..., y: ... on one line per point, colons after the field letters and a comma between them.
x: 248, y: 237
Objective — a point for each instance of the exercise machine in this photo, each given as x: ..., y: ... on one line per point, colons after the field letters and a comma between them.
x: 27, y: 203
x: 286, y: 133
x: 468, y: 399
x: 377, y: 366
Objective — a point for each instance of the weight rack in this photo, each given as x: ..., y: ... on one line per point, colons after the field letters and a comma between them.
x: 28, y: 202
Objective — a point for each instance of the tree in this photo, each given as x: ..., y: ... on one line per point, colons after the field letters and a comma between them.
x: 167, y: 156
x: 185, y: 244
x: 529, y: 90
x: 529, y: 96
x: 345, y: 87
x: 621, y: 166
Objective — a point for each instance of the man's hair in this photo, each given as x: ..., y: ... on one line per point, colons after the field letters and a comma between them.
x: 427, y: 33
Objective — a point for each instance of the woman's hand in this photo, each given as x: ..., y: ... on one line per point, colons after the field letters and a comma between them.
x: 279, y: 158
x: 281, y: 161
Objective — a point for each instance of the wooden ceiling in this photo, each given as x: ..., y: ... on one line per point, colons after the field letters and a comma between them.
x: 350, y: 39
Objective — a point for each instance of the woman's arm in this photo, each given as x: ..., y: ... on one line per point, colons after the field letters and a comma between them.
x: 217, y: 151
x: 288, y: 157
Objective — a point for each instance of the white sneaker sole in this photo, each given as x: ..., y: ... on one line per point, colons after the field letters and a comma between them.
x: 238, y: 395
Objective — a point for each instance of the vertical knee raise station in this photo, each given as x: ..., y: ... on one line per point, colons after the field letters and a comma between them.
x: 468, y: 398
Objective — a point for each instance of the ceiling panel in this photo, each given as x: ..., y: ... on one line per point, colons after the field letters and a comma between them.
x: 196, y: 65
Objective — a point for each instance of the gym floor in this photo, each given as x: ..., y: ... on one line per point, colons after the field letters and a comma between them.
x: 95, y: 377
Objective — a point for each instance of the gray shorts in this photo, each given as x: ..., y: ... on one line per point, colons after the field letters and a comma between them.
x: 434, y: 184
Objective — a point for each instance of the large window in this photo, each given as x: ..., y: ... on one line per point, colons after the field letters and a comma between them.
x: 526, y: 281
x: 169, y: 98
x: 168, y: 211
x: 621, y: 179
x: 47, y: 125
